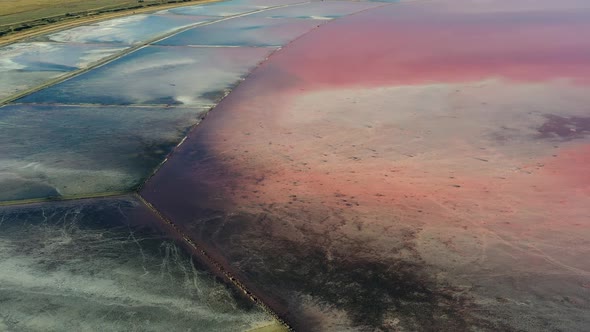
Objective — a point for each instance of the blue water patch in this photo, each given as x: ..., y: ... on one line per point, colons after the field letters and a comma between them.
x: 127, y: 30
x: 54, y: 151
x: 318, y: 10
x: 25, y: 65
x: 219, y: 9
x: 158, y: 75
x: 243, y: 31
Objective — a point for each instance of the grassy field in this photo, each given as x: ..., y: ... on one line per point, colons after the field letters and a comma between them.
x: 18, y: 16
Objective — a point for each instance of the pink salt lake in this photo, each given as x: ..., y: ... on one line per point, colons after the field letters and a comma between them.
x: 418, y: 166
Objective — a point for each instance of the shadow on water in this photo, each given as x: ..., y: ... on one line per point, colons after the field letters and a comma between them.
x: 377, y: 291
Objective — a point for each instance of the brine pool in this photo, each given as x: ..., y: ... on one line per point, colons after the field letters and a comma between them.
x: 320, y: 166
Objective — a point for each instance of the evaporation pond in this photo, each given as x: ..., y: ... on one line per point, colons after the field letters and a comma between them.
x: 48, y: 151
x: 244, y: 31
x: 126, y: 30
x: 96, y: 265
x: 158, y: 75
x: 25, y: 65
x: 318, y: 10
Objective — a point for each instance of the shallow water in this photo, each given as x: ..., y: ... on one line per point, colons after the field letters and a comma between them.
x: 158, y: 75
x: 30, y: 64
x: 127, y: 30
x: 376, y: 173
x: 96, y: 265
x: 25, y: 65
x: 323, y: 10
x: 244, y: 31
x: 219, y: 9
x: 389, y: 177
x: 49, y: 151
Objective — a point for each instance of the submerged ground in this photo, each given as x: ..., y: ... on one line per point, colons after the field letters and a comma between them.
x: 417, y: 166
x: 22, y: 18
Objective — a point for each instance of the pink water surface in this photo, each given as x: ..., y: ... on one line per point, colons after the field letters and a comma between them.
x: 438, y: 146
